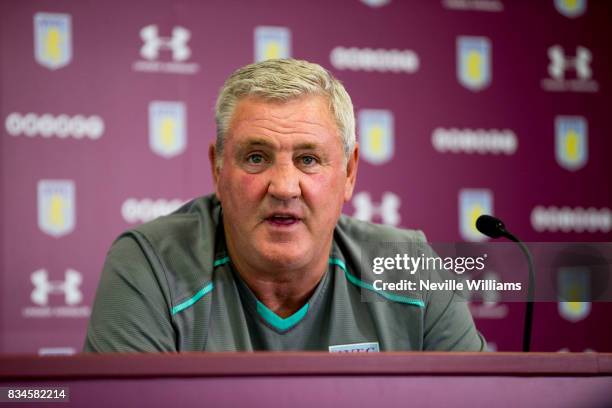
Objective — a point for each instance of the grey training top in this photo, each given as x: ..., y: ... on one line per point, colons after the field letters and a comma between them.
x: 169, y: 285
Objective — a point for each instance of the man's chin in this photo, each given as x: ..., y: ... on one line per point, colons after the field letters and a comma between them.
x: 287, y: 255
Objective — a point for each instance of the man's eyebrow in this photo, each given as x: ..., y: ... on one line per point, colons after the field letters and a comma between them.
x: 255, y: 142
x: 258, y: 142
x: 306, y: 146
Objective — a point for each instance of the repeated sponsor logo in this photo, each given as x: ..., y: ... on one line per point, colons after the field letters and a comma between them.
x: 135, y: 211
x: 489, y: 307
x: 56, y: 351
x: 571, y: 142
x: 474, y: 5
x: 566, y: 219
x: 376, y: 135
x: 376, y: 3
x: 571, y: 8
x: 167, y: 128
x: 68, y: 290
x: 474, y: 69
x: 472, y: 204
x: 491, y: 346
x: 573, y: 283
x: 56, y: 207
x: 559, y: 66
x: 372, y: 347
x: 154, y: 47
x: 272, y: 43
x: 474, y: 141
x: 387, y: 210
x: 61, y: 126
x: 567, y: 350
x: 52, y: 40
x: 367, y: 59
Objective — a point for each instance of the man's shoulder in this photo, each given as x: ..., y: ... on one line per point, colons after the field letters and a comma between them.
x: 179, y: 247
x: 193, y: 220
x: 364, y: 231
x: 185, y: 240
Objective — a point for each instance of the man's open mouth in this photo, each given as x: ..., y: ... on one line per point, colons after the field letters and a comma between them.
x: 283, y: 219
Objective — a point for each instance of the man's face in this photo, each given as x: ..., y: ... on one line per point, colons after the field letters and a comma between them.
x: 283, y: 181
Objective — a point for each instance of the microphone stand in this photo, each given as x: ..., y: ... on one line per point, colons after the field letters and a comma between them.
x: 495, y: 228
x: 530, y: 292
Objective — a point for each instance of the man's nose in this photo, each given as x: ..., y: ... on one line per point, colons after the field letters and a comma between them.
x: 284, y: 182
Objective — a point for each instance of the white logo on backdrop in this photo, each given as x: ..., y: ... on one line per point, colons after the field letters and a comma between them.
x: 388, y: 209
x: 45, y: 290
x: 561, y: 63
x: 478, y: 141
x: 69, y: 287
x: 367, y: 59
x: 153, y: 43
x: 474, y: 5
x: 146, y: 209
x: 376, y: 3
x: 153, y: 46
x: 565, y: 219
x: 61, y: 126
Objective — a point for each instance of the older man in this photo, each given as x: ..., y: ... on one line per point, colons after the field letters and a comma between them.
x: 268, y: 262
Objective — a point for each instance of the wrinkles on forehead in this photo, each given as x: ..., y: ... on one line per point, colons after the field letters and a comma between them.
x: 285, y: 116
x: 256, y: 142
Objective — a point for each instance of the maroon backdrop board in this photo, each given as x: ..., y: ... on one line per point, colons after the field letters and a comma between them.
x: 463, y: 107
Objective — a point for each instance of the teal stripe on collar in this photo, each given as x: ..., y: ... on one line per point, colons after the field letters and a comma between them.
x: 200, y: 293
x: 278, y: 322
x: 221, y: 261
x: 189, y: 302
x: 357, y: 282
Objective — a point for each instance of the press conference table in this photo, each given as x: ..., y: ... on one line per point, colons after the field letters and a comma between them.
x: 319, y: 379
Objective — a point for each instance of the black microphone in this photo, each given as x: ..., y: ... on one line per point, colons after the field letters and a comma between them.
x: 495, y: 228
x: 491, y: 226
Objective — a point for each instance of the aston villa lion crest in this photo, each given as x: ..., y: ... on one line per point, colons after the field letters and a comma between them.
x: 52, y: 40
x: 56, y: 207
x: 571, y: 8
x: 167, y: 128
x: 571, y: 142
x: 474, y: 62
x: 472, y: 204
x: 376, y: 138
x: 574, y: 288
x: 272, y: 43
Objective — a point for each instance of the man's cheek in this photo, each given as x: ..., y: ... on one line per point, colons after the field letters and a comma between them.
x: 250, y: 185
x: 322, y: 187
x: 316, y: 185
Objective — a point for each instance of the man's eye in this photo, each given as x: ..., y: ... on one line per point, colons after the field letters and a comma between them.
x: 308, y: 160
x: 255, y: 158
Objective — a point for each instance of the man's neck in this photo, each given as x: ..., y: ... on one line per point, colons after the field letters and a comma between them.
x: 282, y: 290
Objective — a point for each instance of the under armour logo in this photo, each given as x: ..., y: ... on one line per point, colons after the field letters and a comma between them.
x: 388, y: 210
x: 43, y: 287
x: 559, y: 62
x: 153, y: 43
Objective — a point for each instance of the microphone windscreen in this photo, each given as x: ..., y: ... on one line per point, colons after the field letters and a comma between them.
x: 490, y: 226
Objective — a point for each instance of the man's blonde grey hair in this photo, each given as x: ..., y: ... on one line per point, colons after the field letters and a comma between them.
x: 284, y: 80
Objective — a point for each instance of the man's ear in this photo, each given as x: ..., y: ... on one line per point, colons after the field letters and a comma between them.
x: 351, y: 173
x: 214, y: 169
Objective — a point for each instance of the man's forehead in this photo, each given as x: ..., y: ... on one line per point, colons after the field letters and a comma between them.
x: 257, y: 141
x: 313, y: 109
